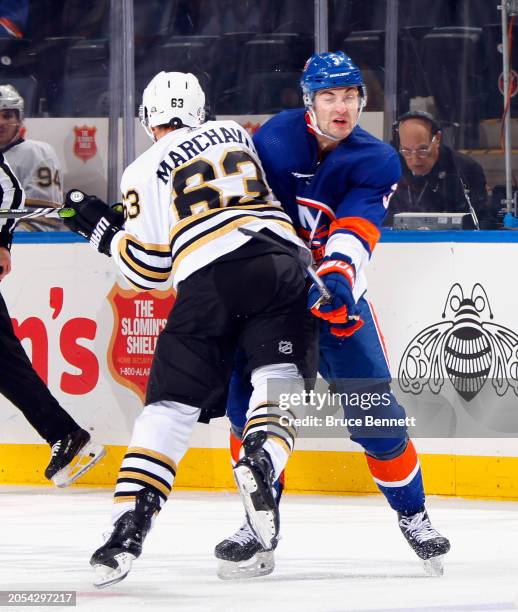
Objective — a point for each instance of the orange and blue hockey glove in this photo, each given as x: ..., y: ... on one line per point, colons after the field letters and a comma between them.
x: 338, y: 275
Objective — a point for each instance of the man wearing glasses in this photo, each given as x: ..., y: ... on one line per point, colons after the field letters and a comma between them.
x: 435, y: 178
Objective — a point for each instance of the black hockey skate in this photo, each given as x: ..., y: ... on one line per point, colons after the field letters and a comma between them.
x: 71, y: 457
x: 243, y: 556
x: 428, y: 544
x: 255, y: 477
x: 112, y: 561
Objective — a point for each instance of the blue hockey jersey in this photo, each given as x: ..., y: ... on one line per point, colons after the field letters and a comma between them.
x: 13, y: 18
x: 337, y: 202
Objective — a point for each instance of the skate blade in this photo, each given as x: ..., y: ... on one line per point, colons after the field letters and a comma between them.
x: 262, y: 522
x: 434, y: 566
x: 105, y: 576
x: 261, y: 564
x: 85, y: 459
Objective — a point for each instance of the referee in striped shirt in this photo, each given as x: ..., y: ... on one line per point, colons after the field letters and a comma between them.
x: 72, y: 452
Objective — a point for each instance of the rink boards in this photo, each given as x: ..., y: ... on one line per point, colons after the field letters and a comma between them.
x: 92, y: 339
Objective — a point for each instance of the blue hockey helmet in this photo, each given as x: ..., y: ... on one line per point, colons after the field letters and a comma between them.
x: 329, y: 70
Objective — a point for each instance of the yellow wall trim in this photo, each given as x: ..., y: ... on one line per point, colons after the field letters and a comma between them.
x: 308, y: 471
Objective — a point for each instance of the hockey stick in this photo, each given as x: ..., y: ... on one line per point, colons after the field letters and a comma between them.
x: 325, y: 295
x: 23, y: 213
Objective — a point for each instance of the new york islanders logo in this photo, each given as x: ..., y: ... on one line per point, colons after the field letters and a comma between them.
x: 314, y: 220
x: 466, y: 347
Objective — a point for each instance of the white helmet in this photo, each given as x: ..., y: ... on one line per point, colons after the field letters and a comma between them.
x: 10, y: 99
x: 172, y: 97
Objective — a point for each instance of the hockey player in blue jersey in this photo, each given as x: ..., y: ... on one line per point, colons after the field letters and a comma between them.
x: 335, y: 181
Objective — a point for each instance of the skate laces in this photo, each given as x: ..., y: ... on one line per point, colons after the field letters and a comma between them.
x: 419, y: 527
x: 243, y: 535
x: 55, y: 448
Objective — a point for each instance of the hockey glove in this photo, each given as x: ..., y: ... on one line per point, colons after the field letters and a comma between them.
x: 344, y: 330
x: 92, y: 218
x: 338, y: 276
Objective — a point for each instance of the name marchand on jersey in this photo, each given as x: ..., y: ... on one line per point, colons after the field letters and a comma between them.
x: 200, y: 142
x: 186, y: 197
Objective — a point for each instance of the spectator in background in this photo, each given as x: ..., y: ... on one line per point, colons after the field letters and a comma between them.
x: 13, y: 18
x: 35, y: 163
x: 435, y: 178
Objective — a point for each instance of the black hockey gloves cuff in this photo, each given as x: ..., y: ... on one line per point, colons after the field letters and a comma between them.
x: 92, y: 218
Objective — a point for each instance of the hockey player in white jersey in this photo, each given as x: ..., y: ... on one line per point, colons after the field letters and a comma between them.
x: 186, y: 200
x: 35, y: 163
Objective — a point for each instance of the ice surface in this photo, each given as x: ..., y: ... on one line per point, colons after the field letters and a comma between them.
x: 336, y: 554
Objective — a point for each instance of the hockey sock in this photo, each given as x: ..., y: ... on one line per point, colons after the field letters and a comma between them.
x: 158, y: 443
x: 235, y: 447
x: 266, y: 415
x: 399, y: 479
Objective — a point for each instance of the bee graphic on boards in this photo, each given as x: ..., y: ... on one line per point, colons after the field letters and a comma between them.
x: 467, y: 347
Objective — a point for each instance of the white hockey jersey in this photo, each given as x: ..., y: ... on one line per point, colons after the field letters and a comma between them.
x: 37, y: 167
x: 185, y: 199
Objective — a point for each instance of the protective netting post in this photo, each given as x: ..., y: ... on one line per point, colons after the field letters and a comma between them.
x: 128, y: 82
x: 321, y: 27
x: 115, y: 96
x: 390, y: 91
x: 507, y: 8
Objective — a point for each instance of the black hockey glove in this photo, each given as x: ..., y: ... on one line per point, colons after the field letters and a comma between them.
x: 92, y: 218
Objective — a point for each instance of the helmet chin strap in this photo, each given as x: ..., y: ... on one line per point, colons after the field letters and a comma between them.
x: 315, y: 128
x: 148, y: 131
